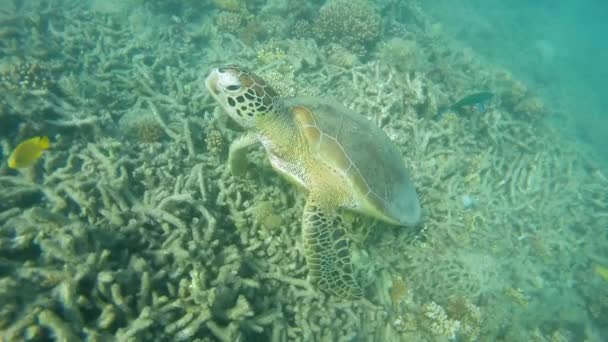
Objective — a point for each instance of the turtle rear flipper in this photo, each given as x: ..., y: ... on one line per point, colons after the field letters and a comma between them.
x: 327, y: 251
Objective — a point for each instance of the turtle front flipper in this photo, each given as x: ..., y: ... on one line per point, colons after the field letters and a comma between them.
x: 237, y: 156
x: 327, y: 251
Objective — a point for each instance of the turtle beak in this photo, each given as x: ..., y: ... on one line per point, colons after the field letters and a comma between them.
x: 211, y: 81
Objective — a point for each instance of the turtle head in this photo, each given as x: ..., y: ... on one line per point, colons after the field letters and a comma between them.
x: 242, y: 94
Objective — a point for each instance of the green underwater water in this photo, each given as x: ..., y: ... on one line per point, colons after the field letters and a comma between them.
x: 556, y: 46
x: 132, y: 226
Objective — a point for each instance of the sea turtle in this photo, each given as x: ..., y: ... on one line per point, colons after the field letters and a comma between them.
x: 342, y: 159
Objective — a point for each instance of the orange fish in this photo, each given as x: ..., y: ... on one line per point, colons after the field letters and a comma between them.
x: 28, y: 152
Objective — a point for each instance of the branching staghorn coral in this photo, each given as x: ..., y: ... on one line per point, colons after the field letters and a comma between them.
x: 513, y: 173
x: 127, y: 239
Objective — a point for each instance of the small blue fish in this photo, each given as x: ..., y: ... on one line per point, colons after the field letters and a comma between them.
x: 478, y: 100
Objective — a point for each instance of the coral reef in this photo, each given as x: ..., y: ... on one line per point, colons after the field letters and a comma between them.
x: 215, y: 142
x: 141, y: 126
x: 28, y: 91
x: 133, y: 228
x: 340, y: 56
x: 469, y: 316
x: 517, y: 295
x: 352, y: 24
x: 228, y: 5
x: 24, y: 77
x: 270, y: 54
x: 401, y: 54
x: 435, y: 320
x: 281, y: 82
x: 229, y: 21
x: 302, y: 29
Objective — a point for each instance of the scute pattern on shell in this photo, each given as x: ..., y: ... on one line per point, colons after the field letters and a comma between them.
x: 376, y: 169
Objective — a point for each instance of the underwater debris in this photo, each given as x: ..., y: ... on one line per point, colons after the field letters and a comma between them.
x: 28, y: 152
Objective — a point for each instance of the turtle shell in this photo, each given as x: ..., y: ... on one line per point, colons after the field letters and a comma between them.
x: 351, y: 144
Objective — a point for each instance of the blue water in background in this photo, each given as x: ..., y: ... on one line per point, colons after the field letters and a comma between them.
x: 557, y: 47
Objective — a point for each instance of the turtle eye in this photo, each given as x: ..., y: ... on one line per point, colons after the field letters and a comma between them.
x: 233, y: 87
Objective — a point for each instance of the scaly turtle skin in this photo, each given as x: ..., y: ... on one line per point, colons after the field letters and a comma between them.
x: 342, y: 159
